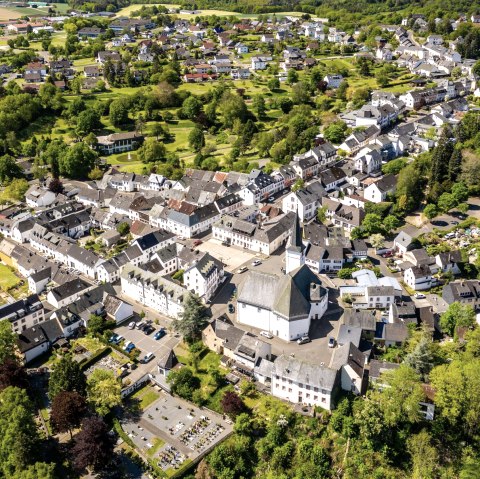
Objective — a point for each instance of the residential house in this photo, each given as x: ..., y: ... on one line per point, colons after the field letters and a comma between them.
x: 462, y: 291
x: 119, y: 142
x: 23, y: 313
x: 378, y: 191
x: 203, y: 276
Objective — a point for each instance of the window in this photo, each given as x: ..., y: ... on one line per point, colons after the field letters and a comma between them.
x: 315, y: 398
x: 308, y: 396
x: 283, y: 388
x: 289, y: 390
x: 324, y: 400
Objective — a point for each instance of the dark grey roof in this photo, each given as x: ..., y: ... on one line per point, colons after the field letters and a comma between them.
x: 378, y: 367
x: 27, y: 305
x: 296, y: 243
x: 70, y: 288
x: 288, y: 295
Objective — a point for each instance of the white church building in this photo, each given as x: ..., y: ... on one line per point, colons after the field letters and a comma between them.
x: 283, y: 304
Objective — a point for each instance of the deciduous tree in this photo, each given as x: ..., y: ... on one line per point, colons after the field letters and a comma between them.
x: 104, y: 391
x: 93, y: 445
x: 67, y: 376
x: 68, y: 410
x: 192, y: 320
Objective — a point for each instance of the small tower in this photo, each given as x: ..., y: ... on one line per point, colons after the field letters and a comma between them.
x: 295, y: 252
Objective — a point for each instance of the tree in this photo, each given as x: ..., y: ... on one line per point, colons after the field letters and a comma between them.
x: 123, y: 228
x: 39, y: 470
x: 12, y: 374
x: 243, y: 424
x: 470, y: 169
x: 118, y: 112
x: 460, y: 192
x: 377, y: 240
x: 232, y: 107
x: 93, y: 445
x: 298, y: 185
x: 78, y: 161
x: 104, y: 391
x: 259, y: 106
x: 98, y: 324
x: 8, y: 342
x: 232, y: 404
x: 292, y: 76
x: 9, y: 169
x: 382, y: 79
x: 457, y: 315
x: 183, y: 383
x: 232, y: 459
x: 196, y: 139
x: 55, y: 186
x: 322, y: 214
x: 87, y: 121
x: 335, y: 132
x: 66, y: 376
x: 425, y: 458
x: 192, y: 320
x: 191, y: 107
x: 390, y: 223
x: 152, y: 151
x: 430, y: 211
x: 394, y: 167
x: 273, y: 84
x: 18, y: 431
x: 421, y: 358
x: 300, y: 93
x: 15, y: 191
x: 398, y: 402
x: 68, y: 410
x: 457, y: 386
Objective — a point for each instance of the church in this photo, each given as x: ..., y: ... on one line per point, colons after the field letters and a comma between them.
x: 283, y: 304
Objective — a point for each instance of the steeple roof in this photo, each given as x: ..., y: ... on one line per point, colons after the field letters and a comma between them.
x: 296, y: 243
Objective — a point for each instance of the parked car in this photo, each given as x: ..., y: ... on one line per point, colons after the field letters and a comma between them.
x: 419, y: 296
x: 129, y: 348
x: 225, y: 243
x: 197, y: 242
x: 141, y: 325
x: 159, y: 334
x: 113, y: 338
x: 388, y: 254
x: 454, y: 222
x: 132, y: 325
x: 231, y: 308
x: 148, y: 329
x: 127, y: 345
x: 242, y: 269
x: 119, y: 339
x: 148, y: 357
x: 271, y: 199
x: 331, y: 342
x: 266, y: 334
x: 256, y: 262
x: 304, y: 339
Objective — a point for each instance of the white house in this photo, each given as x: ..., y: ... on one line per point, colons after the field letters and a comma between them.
x: 283, y: 305
x: 203, y: 276
x: 301, y: 382
x: 378, y: 191
x: 333, y: 81
x: 419, y: 278
x: 149, y: 289
x: 37, y: 197
x: 117, y: 309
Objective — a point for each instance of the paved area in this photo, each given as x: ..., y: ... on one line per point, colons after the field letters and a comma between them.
x: 231, y: 256
x: 184, y: 430
x: 146, y: 343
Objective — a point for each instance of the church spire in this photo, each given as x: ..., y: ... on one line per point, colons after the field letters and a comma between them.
x: 296, y: 243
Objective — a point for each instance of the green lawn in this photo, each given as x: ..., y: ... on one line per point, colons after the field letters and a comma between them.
x: 157, y: 443
x: 8, y: 279
x: 147, y: 396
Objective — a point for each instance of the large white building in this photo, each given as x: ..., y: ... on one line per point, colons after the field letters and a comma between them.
x: 283, y: 305
x: 161, y: 294
x: 304, y: 383
x: 203, y: 276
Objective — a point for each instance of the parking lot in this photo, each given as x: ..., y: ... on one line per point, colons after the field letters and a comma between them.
x: 231, y: 256
x: 146, y: 343
x: 184, y: 431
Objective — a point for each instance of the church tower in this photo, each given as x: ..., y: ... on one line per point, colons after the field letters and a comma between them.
x: 295, y: 252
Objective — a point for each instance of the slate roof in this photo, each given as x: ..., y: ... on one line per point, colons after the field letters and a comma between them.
x: 305, y: 373
x: 288, y: 296
x: 69, y: 289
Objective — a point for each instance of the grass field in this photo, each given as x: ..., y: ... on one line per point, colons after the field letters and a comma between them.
x: 7, y: 278
x: 9, y: 14
x: 146, y: 395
